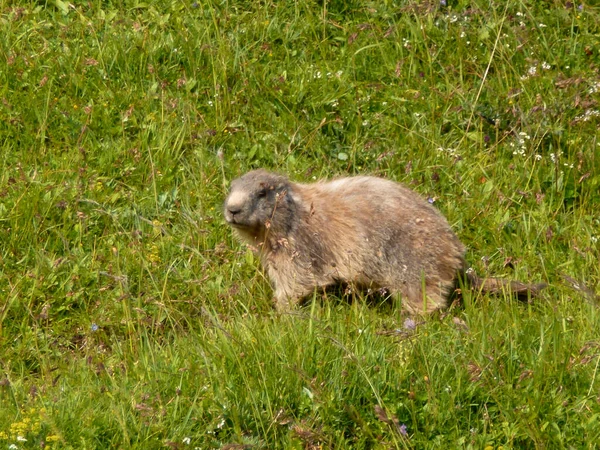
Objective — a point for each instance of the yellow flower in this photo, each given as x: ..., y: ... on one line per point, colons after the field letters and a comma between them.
x: 52, y: 438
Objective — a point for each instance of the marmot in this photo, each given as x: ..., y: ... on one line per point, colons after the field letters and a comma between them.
x: 368, y: 232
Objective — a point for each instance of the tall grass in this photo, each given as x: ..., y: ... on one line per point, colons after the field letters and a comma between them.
x: 130, y: 318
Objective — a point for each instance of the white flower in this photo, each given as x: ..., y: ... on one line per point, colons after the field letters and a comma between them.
x: 21, y: 439
x: 545, y: 66
x: 587, y: 115
x: 186, y: 440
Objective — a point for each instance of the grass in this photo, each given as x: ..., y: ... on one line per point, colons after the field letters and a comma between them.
x: 130, y: 317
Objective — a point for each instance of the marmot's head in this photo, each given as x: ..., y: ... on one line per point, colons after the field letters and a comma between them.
x: 259, y: 201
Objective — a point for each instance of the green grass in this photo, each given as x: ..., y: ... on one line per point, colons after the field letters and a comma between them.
x: 130, y: 317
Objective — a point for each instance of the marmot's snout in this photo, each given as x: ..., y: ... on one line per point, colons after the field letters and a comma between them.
x: 234, y: 209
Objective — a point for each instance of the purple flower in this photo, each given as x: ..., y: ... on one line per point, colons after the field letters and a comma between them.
x: 431, y: 200
x: 410, y: 324
x: 443, y: 3
x: 403, y: 430
x: 94, y: 327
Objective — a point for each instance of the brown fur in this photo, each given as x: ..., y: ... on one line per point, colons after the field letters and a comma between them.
x: 366, y: 231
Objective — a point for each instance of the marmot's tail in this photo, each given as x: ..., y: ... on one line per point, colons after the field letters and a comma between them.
x: 497, y: 286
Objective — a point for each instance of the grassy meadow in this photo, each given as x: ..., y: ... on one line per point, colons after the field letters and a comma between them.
x: 131, y: 318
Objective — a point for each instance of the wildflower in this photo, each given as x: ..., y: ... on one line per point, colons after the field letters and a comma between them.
x: 94, y: 327
x: 403, y: 430
x: 186, y: 440
x: 409, y: 324
x: 545, y: 66
x: 21, y: 439
x: 523, y: 135
x: 587, y: 115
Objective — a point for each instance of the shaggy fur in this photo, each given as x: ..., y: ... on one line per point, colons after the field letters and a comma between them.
x: 369, y: 232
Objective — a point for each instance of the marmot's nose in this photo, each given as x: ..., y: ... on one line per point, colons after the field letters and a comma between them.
x: 233, y: 210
